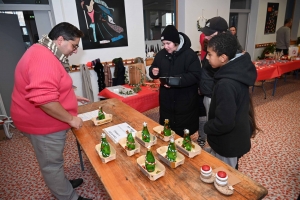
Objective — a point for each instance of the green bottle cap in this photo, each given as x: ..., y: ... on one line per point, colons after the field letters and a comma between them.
x: 103, y: 135
x: 144, y: 124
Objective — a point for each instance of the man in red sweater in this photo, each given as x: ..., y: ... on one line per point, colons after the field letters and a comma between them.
x: 44, y: 105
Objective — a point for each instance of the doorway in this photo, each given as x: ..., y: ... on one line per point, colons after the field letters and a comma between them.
x: 240, y: 21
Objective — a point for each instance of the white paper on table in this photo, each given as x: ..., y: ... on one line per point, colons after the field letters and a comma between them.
x: 88, y: 115
x: 118, y: 131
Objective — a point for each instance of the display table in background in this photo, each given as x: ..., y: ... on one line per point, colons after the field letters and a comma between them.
x: 272, y: 69
x: 144, y: 100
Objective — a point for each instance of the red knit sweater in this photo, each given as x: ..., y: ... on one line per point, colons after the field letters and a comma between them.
x: 40, y: 78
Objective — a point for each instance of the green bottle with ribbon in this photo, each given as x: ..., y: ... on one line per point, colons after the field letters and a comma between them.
x: 130, y: 142
x: 145, y: 133
x: 105, y: 148
x: 187, y: 142
x: 172, y: 151
x: 149, y: 160
x: 101, y: 114
x: 167, y: 128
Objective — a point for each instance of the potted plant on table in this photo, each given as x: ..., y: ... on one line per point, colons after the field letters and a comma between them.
x: 270, y: 48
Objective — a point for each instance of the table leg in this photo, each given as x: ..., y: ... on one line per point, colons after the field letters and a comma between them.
x: 80, y: 156
x: 263, y: 87
x: 274, y: 88
x: 284, y: 77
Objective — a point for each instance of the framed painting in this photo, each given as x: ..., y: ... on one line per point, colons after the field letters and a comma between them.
x: 103, y: 23
x: 271, y: 18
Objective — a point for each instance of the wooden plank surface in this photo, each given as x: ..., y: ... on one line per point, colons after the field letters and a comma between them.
x: 123, y: 180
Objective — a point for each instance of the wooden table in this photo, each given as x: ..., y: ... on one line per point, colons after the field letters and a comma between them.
x: 144, y: 100
x: 123, y: 180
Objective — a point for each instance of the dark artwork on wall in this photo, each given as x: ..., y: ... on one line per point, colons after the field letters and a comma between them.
x: 103, y: 23
x: 271, y: 18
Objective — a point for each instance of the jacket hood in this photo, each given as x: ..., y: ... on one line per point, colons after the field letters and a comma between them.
x: 186, y: 42
x: 240, y: 69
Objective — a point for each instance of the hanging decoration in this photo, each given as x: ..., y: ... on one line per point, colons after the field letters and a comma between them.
x: 201, y: 21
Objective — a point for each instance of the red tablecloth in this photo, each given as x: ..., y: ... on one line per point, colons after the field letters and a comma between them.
x: 268, y: 69
x: 288, y: 66
x: 266, y: 72
x: 144, y: 100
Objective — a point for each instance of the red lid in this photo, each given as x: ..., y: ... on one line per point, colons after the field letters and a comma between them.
x: 205, y: 168
x: 222, y: 174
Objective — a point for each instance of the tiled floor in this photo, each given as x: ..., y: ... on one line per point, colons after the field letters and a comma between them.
x: 274, y: 160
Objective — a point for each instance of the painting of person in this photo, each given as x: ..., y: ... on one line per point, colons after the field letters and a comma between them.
x: 97, y: 21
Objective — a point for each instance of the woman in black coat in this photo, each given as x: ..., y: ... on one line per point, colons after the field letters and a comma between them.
x: 178, y: 103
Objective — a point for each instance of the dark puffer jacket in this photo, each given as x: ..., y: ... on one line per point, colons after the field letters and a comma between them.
x: 179, y: 104
x: 228, y: 127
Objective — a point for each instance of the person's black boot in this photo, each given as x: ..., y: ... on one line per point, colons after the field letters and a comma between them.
x: 76, y: 182
x: 82, y: 198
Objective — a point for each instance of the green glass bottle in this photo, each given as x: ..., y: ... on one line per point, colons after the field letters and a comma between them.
x: 187, y: 142
x: 145, y: 133
x: 167, y: 128
x: 100, y: 114
x: 149, y: 161
x: 130, y: 143
x: 105, y: 148
x: 171, y: 152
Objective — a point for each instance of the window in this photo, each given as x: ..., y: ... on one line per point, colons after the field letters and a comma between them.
x: 157, y: 15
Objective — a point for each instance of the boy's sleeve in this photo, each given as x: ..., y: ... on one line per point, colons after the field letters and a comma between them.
x: 225, y: 112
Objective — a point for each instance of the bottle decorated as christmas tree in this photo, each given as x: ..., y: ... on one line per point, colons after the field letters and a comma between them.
x: 130, y: 142
x: 171, y: 152
x: 149, y: 161
x: 187, y: 142
x: 145, y: 133
x: 100, y: 114
x: 105, y: 148
x: 167, y: 128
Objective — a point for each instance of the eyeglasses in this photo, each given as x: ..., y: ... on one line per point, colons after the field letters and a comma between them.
x: 75, y: 46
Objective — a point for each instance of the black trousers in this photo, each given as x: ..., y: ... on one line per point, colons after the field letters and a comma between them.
x: 285, y: 51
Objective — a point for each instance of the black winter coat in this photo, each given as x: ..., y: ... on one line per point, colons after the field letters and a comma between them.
x: 179, y: 104
x: 228, y: 127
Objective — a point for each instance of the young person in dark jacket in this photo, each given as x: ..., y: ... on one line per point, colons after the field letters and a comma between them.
x: 179, y: 104
x: 213, y: 27
x: 229, y: 127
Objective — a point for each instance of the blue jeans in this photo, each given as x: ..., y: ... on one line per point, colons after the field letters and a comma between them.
x: 49, y: 153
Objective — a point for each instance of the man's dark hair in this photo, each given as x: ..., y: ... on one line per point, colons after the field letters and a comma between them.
x: 66, y: 30
x: 224, y: 43
x: 287, y: 21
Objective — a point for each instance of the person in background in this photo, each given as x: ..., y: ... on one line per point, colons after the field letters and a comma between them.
x: 233, y: 32
x: 229, y: 126
x: 178, y: 103
x: 202, y: 112
x: 283, y: 35
x: 203, y: 50
x: 44, y: 105
x: 212, y: 27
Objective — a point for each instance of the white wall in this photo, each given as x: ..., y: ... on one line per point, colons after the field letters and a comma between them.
x: 190, y: 10
x: 295, y: 32
x: 257, y: 25
x: 66, y: 11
